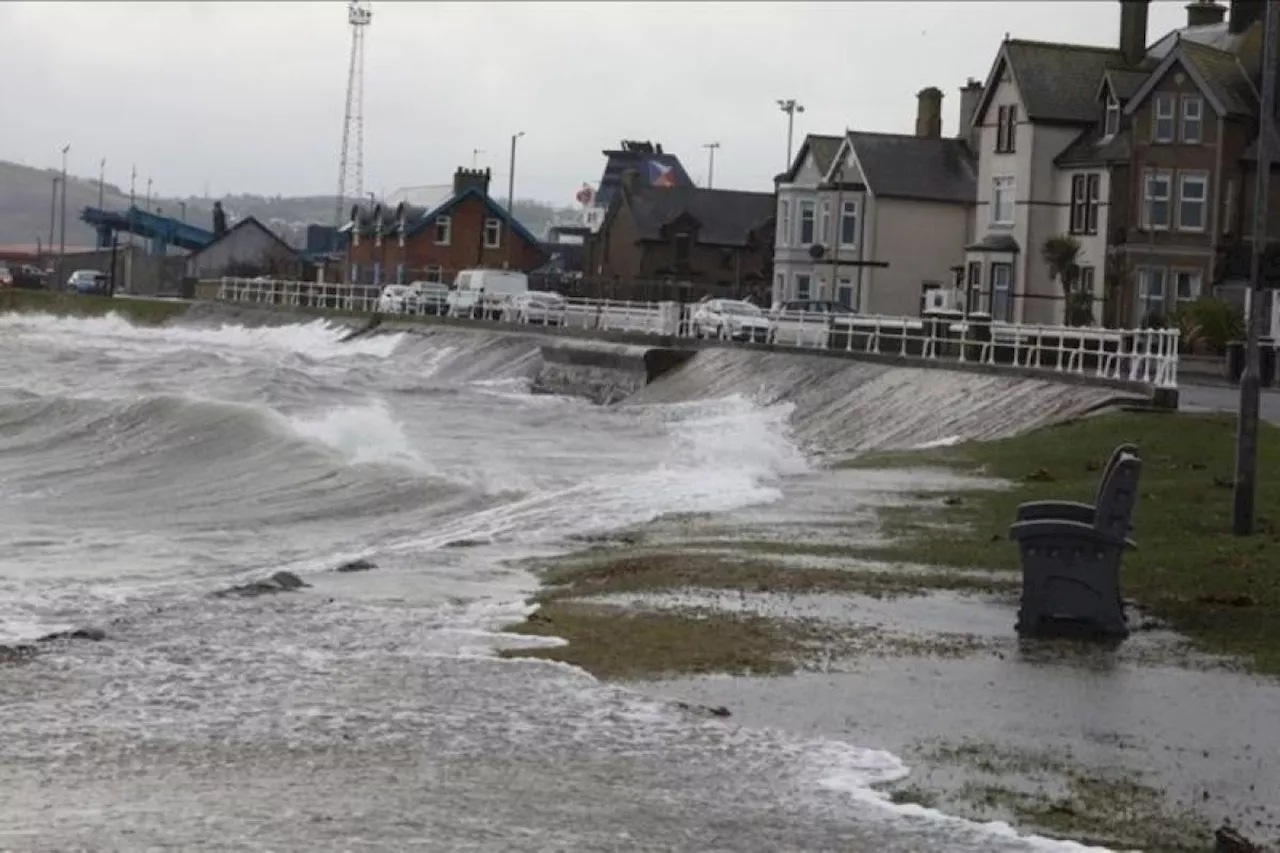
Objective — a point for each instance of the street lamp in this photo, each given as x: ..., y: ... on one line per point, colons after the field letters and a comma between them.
x: 511, y: 195
x: 475, y: 153
x: 790, y: 106
x: 62, y: 240
x: 711, y: 162
x: 102, y: 181
x: 148, y: 202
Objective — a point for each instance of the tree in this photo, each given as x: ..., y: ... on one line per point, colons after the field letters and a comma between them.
x: 1117, y: 285
x: 1062, y: 254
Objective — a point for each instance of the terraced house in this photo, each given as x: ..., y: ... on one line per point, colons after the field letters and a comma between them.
x: 1143, y: 152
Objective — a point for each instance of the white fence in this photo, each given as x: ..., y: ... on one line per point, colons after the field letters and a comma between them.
x: 1138, y: 355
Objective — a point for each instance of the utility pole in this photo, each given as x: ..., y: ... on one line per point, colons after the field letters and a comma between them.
x: 511, y: 195
x: 1242, y: 511
x: 475, y: 153
x: 148, y: 206
x: 53, y: 210
x: 62, y: 238
x: 711, y: 162
x: 102, y: 181
x: 790, y: 106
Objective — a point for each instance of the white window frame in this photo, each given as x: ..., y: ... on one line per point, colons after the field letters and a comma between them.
x: 1195, y: 278
x: 1004, y: 184
x: 810, y: 208
x: 1079, y: 210
x: 1189, y: 121
x: 1007, y: 129
x: 1158, y: 115
x: 1007, y: 268
x: 808, y: 287
x: 433, y: 273
x: 852, y: 285
x: 492, y: 233
x: 1145, y: 297
x: 1228, y: 206
x: 824, y: 223
x: 1087, y: 280
x: 445, y: 223
x: 1149, y: 199
x: 1111, y: 122
x: 780, y: 287
x: 784, y: 222
x: 849, y: 211
x: 1195, y: 177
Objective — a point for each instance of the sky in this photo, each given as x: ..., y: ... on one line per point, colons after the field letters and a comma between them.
x: 249, y: 97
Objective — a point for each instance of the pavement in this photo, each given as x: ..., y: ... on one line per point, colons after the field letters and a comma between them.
x: 1224, y: 398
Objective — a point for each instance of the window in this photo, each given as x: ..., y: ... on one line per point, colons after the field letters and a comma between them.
x: 1006, y: 129
x: 1002, y: 201
x: 1155, y: 209
x: 1150, y: 294
x: 400, y: 238
x: 1192, y: 119
x: 846, y: 294
x: 444, y: 230
x: 1228, y: 206
x: 433, y: 273
x: 1187, y: 285
x: 806, y: 222
x: 784, y: 223
x: 377, y: 273
x: 1112, y: 125
x: 802, y: 286
x: 849, y: 223
x: 1001, y: 292
x: 399, y: 273
x: 824, y: 222
x: 1085, y: 281
x: 1192, y: 200
x: 682, y: 248
x: 492, y: 233
x: 975, y: 274
x: 1085, y: 190
x: 1162, y: 125
x: 780, y: 287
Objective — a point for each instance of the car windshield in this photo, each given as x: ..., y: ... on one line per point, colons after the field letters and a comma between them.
x: 742, y: 309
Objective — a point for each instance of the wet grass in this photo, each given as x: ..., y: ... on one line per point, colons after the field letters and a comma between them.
x: 146, y: 312
x: 1188, y: 570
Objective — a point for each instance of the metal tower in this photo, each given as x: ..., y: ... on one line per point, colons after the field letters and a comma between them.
x: 359, y: 15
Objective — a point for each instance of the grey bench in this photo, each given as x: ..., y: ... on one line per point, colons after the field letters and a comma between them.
x: 1074, y: 510
x: 1071, y: 566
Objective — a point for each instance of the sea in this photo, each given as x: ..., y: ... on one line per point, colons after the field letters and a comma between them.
x: 144, y: 469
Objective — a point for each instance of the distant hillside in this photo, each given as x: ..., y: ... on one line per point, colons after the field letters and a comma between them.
x: 25, y: 195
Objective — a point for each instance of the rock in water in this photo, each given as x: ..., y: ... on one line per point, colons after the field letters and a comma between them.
x: 95, y: 635
x: 279, y: 582
x: 357, y: 566
x: 287, y: 580
x: 1228, y: 840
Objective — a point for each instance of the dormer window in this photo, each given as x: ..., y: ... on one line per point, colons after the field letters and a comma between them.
x: 1162, y: 113
x: 1112, y: 124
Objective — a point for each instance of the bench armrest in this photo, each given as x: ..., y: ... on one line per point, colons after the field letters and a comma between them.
x: 1054, y: 528
x: 1065, y: 510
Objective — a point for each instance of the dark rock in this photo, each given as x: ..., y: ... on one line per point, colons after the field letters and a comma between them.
x: 1040, y: 475
x: 705, y: 710
x: 279, y: 582
x: 1228, y: 840
x: 1227, y: 600
x: 466, y: 543
x: 16, y: 653
x: 1224, y: 483
x: 953, y: 500
x: 357, y: 566
x: 95, y: 635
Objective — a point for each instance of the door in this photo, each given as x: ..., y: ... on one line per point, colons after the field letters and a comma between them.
x: 1002, y: 292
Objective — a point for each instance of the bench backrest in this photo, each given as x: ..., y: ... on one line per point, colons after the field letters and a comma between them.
x: 1113, y: 514
x: 1121, y: 450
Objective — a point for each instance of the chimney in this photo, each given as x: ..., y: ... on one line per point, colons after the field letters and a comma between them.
x: 970, y: 94
x: 1201, y: 13
x: 630, y: 181
x: 464, y: 179
x: 1133, y: 30
x: 1244, y: 13
x: 929, y: 113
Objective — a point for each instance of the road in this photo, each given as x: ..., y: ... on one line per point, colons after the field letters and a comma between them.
x: 1224, y: 398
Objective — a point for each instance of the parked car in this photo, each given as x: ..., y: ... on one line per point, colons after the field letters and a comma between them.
x: 29, y: 277
x: 393, y: 299
x: 427, y: 297
x: 731, y: 319
x: 538, y: 308
x: 484, y: 294
x: 6, y: 277
x: 807, y: 322
x: 87, y: 282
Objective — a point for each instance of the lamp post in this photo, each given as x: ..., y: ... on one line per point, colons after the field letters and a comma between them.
x: 102, y: 181
x: 53, y: 210
x: 511, y: 195
x: 1245, y: 493
x: 790, y: 106
x: 475, y: 153
x: 711, y: 162
x: 62, y: 238
x: 148, y: 202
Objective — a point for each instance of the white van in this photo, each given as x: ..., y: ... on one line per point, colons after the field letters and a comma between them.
x: 484, y: 293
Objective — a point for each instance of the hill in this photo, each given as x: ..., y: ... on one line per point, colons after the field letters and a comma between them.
x: 25, y: 195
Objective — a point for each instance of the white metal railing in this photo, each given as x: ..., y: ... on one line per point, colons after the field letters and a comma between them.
x: 1148, y: 356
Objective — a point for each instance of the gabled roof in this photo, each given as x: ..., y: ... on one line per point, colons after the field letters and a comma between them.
x: 897, y: 165
x: 656, y: 167
x: 1057, y: 83
x: 248, y: 221
x: 1217, y: 74
x: 724, y: 217
x: 1121, y: 82
x: 1092, y: 148
x: 497, y: 210
x: 823, y: 149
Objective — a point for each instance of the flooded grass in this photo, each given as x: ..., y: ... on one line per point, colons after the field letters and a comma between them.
x: 1188, y: 570
x: 146, y: 312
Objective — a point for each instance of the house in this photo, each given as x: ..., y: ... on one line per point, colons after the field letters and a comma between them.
x: 461, y: 229
x: 709, y: 241
x: 874, y: 220
x: 247, y: 249
x: 1139, y: 152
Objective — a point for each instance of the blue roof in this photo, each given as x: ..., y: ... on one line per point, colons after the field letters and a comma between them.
x: 149, y: 225
x: 493, y: 207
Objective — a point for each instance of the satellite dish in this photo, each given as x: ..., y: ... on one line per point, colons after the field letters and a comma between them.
x: 817, y: 250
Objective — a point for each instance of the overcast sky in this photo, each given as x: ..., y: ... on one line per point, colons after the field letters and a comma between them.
x: 248, y: 97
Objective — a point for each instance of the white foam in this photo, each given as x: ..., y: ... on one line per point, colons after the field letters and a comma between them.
x: 362, y: 434
x: 949, y: 441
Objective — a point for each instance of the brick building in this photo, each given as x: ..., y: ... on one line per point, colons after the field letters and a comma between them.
x: 466, y: 229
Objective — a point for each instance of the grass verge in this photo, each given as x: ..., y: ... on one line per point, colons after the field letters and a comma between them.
x: 147, y: 312
x: 1189, y: 570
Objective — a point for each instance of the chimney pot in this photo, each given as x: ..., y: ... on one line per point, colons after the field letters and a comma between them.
x: 1133, y: 29
x: 464, y: 179
x: 970, y: 94
x: 929, y: 113
x: 1204, y: 12
x: 1243, y: 14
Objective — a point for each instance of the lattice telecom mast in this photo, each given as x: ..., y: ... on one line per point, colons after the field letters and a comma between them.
x: 359, y: 15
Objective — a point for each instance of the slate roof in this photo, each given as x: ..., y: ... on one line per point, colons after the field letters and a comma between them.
x: 647, y: 159
x: 1057, y: 82
x: 1091, y: 148
x: 901, y: 166
x: 1223, y: 76
x: 1124, y: 83
x: 824, y: 150
x: 245, y: 223
x: 496, y: 210
x: 725, y: 217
